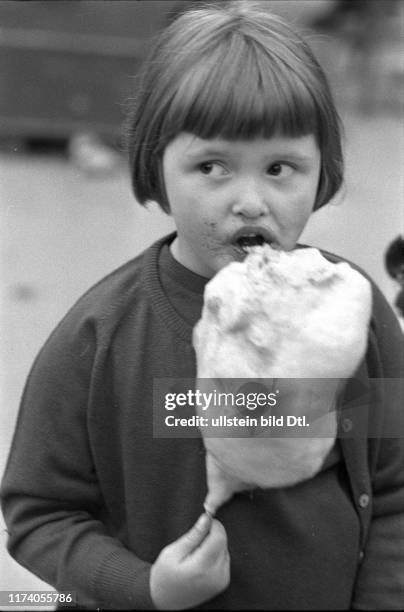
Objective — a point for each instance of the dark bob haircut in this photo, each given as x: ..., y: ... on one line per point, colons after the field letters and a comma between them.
x: 232, y: 71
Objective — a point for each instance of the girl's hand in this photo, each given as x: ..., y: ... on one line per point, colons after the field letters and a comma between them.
x: 193, y: 569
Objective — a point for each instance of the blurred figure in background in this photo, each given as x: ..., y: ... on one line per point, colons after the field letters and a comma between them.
x: 371, y: 35
x: 394, y: 262
x: 89, y: 152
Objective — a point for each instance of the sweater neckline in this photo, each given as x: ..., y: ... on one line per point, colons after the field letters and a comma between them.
x: 159, y: 300
x: 180, y: 274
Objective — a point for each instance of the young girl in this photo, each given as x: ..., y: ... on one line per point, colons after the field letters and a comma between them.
x: 234, y: 133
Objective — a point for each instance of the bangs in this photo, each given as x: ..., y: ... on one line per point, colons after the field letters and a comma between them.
x: 233, y: 72
x: 244, y: 93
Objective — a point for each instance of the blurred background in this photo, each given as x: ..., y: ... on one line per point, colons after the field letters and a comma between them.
x: 68, y: 216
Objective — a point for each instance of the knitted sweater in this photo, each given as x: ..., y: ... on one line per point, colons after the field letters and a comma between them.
x: 90, y: 497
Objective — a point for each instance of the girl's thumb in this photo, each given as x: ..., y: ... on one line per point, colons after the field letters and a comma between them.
x: 195, y: 536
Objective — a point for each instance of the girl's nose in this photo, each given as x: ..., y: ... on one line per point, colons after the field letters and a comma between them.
x: 249, y: 203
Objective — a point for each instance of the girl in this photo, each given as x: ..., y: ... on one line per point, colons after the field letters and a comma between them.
x: 235, y: 134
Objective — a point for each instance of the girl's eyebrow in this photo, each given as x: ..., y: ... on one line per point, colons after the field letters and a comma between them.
x: 208, y: 152
x: 279, y: 154
x: 298, y: 157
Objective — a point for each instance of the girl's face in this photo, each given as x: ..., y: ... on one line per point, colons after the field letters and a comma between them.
x: 225, y: 195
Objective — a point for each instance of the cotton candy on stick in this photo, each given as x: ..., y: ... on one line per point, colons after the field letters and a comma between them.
x: 279, y: 315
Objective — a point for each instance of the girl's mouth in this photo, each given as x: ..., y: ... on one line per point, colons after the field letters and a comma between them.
x: 246, y: 242
x: 248, y: 237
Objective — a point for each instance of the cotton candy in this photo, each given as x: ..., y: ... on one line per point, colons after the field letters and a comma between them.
x: 293, y: 317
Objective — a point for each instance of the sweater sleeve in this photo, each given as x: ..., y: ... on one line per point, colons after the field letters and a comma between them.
x: 380, y: 582
x: 51, y: 498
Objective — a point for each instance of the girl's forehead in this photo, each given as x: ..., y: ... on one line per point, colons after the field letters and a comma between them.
x: 191, y: 146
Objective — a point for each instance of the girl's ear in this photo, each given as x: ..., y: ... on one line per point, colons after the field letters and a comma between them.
x: 162, y: 194
x: 336, y: 200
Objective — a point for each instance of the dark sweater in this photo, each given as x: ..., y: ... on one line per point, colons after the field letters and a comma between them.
x: 90, y: 497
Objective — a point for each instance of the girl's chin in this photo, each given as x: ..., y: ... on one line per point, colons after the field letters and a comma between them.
x: 208, y: 263
x: 229, y: 256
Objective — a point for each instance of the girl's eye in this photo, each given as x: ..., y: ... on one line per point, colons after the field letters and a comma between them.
x: 280, y: 169
x: 212, y: 168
